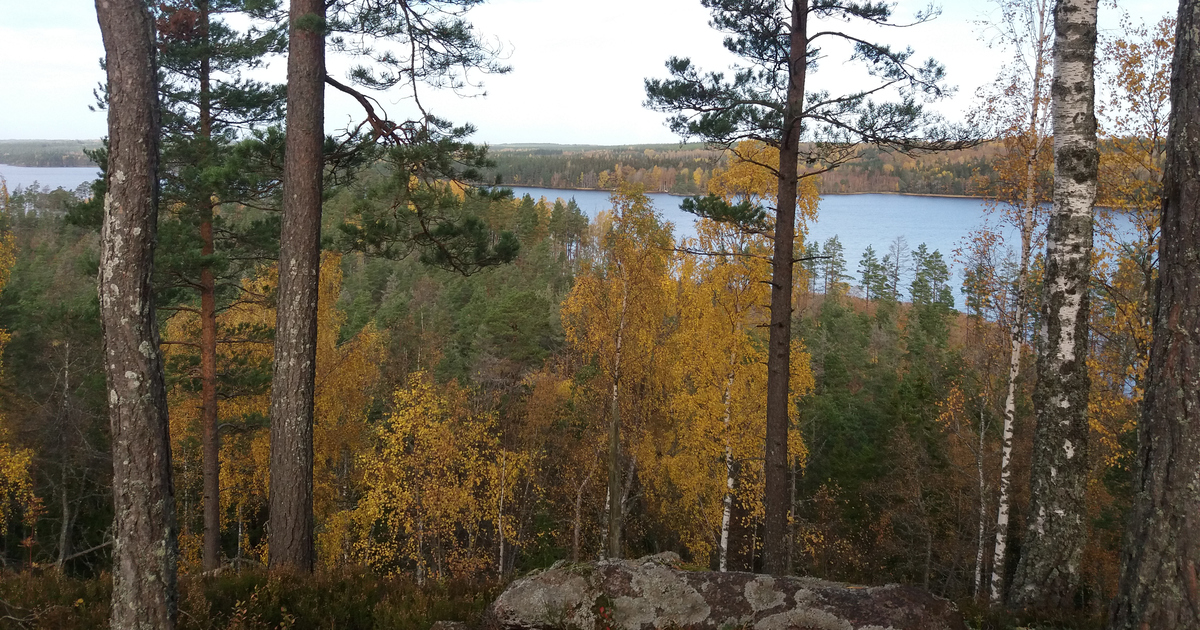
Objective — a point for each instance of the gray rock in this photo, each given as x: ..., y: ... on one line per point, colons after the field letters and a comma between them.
x: 652, y: 593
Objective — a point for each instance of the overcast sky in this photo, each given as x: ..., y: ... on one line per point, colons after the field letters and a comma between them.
x: 578, y: 66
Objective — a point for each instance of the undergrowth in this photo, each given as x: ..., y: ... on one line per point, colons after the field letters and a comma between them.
x: 252, y: 600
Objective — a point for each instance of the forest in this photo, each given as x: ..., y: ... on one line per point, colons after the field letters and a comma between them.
x: 375, y: 392
x: 687, y: 169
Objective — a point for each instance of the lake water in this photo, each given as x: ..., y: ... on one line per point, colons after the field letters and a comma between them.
x: 941, y: 223
x: 69, y: 178
x: 859, y: 221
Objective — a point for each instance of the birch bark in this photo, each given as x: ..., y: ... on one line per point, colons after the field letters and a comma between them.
x: 1037, y: 21
x: 1048, y: 572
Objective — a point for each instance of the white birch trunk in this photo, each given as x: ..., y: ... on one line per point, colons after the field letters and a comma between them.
x: 727, y: 501
x: 1048, y: 573
x: 1034, y: 137
x: 982, y: 504
x: 616, y: 509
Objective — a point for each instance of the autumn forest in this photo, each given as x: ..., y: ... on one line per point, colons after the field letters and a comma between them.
x: 356, y: 383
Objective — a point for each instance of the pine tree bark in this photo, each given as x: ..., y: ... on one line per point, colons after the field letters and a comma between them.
x: 1048, y: 573
x: 776, y: 501
x: 292, y: 385
x: 144, y: 546
x: 210, y: 438
x: 1158, y: 584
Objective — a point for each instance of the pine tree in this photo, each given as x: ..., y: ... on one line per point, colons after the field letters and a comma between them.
x: 1158, y: 570
x: 210, y: 111
x: 438, y: 46
x: 144, y: 549
x: 767, y: 101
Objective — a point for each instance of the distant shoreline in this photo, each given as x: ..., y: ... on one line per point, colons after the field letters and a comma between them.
x: 898, y: 194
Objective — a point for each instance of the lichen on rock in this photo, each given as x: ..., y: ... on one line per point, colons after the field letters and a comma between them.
x: 652, y: 593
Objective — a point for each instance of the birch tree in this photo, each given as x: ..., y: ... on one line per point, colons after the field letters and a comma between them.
x: 615, y: 315
x: 1048, y: 572
x: 1018, y: 104
x: 767, y: 100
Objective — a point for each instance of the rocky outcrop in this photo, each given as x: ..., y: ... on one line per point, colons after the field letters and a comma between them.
x: 653, y: 593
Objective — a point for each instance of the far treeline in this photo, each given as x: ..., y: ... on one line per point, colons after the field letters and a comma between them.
x: 47, y: 153
x: 262, y: 377
x: 671, y: 168
x: 686, y: 169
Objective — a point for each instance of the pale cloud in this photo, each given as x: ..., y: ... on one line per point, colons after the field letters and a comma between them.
x: 578, y: 66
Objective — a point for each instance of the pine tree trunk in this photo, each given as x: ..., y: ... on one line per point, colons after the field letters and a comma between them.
x: 211, y: 445
x: 1048, y: 573
x: 776, y: 500
x: 1158, y: 585
x: 144, y: 545
x: 292, y: 386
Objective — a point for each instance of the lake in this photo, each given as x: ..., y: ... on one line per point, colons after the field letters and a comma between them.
x: 941, y: 223
x: 859, y: 221
x: 69, y: 178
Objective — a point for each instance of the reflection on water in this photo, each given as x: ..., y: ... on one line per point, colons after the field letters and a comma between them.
x: 858, y: 221
x: 942, y: 223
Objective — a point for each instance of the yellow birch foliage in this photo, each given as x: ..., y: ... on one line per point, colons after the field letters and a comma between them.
x: 717, y: 381
x: 347, y: 373
x: 434, y: 485
x: 752, y: 175
x: 619, y: 317
x: 617, y: 312
x: 1133, y: 132
x: 557, y: 425
x: 16, y: 484
x: 717, y: 385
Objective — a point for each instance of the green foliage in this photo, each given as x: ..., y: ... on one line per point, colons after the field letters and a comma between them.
x: 746, y: 213
x: 871, y: 275
x: 54, y: 396
x: 748, y: 105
